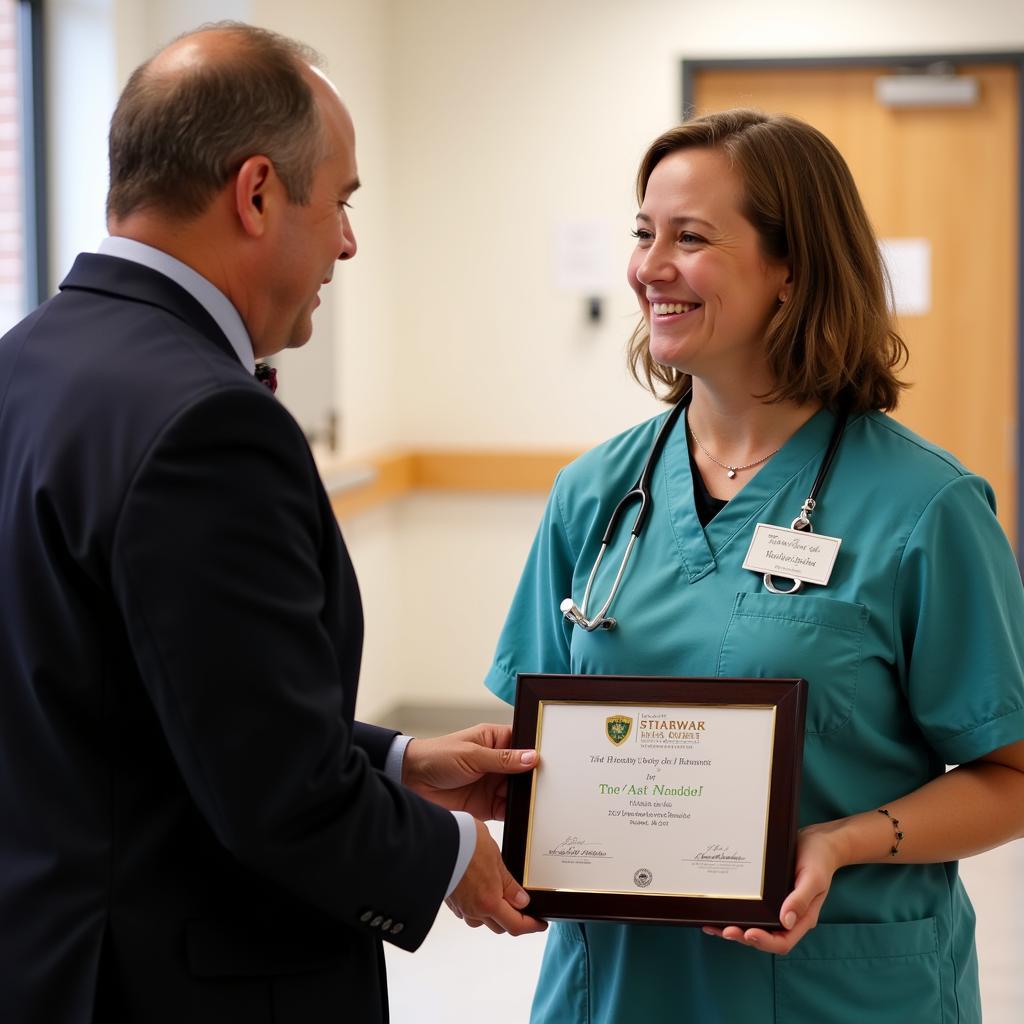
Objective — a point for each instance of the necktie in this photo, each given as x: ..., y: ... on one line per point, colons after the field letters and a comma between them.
x: 267, y: 375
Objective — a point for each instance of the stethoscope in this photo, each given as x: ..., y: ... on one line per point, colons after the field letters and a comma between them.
x: 641, y: 492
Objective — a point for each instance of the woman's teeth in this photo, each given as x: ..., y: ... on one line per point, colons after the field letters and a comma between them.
x: 664, y: 308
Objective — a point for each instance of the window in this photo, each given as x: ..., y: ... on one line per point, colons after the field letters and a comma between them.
x: 22, y: 193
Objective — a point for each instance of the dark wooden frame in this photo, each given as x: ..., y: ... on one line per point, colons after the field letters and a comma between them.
x: 788, y: 696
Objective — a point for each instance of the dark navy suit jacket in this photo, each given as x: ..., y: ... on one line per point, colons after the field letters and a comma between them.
x: 192, y: 827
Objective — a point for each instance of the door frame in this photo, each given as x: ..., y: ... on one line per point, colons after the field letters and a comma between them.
x: 690, y: 67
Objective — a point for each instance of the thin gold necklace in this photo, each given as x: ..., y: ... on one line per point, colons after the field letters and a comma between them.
x: 730, y: 471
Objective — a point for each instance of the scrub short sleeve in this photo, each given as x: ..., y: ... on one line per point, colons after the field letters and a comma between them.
x: 959, y: 613
x: 535, y: 637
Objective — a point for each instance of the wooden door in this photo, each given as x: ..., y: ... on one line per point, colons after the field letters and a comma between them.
x: 949, y: 176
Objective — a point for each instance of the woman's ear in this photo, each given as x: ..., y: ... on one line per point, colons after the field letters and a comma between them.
x: 787, y: 284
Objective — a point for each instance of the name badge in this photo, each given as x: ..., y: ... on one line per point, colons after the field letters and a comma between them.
x: 798, y: 554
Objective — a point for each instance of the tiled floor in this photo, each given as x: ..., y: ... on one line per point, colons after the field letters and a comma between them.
x: 465, y: 976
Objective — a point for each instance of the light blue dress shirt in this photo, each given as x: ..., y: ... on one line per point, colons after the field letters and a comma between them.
x: 207, y: 294
x: 228, y: 319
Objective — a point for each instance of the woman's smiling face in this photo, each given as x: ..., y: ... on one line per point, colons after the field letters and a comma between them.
x: 705, y: 286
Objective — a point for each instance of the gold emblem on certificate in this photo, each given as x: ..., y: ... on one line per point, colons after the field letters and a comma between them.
x: 657, y: 799
x: 618, y: 728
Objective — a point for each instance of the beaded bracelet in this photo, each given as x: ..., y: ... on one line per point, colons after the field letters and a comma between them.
x: 896, y: 830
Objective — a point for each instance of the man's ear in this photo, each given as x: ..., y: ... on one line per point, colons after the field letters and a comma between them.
x: 252, y: 184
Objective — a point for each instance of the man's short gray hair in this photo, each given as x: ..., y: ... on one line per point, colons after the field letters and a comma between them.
x: 177, y: 138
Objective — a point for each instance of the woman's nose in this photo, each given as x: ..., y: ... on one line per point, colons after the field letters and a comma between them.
x: 655, y: 266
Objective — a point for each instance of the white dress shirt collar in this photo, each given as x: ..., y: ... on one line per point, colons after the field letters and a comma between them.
x: 208, y: 295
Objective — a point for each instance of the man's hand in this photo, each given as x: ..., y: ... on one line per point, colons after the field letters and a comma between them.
x: 465, y: 771
x: 489, y: 895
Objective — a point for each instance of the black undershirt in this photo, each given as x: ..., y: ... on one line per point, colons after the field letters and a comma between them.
x: 706, y: 506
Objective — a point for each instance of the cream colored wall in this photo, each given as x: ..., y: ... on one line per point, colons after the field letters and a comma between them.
x: 143, y: 27
x: 356, y: 37
x: 375, y: 543
x: 514, y: 116
x: 481, y: 126
x: 91, y: 48
x: 509, y: 118
x: 437, y: 574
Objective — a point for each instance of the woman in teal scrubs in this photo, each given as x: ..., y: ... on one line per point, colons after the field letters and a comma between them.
x: 761, y: 288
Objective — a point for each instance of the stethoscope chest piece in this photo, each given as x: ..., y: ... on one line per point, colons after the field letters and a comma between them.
x: 573, y: 613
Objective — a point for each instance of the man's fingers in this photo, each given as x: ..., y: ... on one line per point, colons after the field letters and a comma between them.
x: 523, y: 924
x: 502, y: 918
x: 502, y: 762
x: 512, y: 892
x: 498, y: 805
x: 484, y: 734
x: 511, y: 921
x: 489, y: 895
x: 516, y: 897
x: 497, y: 736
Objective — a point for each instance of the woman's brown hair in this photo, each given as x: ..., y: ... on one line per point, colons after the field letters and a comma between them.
x: 834, y: 339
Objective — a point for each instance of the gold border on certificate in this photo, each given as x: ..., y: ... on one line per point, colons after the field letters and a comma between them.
x: 638, y: 710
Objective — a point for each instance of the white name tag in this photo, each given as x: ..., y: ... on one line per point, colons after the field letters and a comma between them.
x: 798, y: 554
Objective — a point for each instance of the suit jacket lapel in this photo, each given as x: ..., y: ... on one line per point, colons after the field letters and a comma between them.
x: 124, y: 279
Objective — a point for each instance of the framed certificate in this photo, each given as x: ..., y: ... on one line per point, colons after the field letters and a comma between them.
x: 658, y: 800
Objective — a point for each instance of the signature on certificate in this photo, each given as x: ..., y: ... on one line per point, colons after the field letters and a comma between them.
x: 577, y: 846
x: 718, y: 856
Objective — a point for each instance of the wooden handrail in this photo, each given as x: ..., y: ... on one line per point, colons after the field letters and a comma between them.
x: 358, y: 485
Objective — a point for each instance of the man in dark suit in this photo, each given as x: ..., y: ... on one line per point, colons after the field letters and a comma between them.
x: 192, y: 827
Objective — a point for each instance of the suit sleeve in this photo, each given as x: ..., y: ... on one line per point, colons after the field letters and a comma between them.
x: 217, y: 567
x: 374, y: 741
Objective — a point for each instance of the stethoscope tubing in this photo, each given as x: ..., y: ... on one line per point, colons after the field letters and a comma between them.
x: 641, y: 491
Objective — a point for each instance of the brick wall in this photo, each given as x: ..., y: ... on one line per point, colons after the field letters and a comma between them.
x: 11, y: 215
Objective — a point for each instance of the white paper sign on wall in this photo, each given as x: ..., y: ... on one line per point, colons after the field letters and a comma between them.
x: 909, y: 262
x: 584, y: 254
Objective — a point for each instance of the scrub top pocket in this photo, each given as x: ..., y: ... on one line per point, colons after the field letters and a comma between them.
x: 848, y: 973
x: 822, y: 640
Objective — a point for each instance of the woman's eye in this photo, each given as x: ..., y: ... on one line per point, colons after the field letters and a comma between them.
x: 689, y: 239
x: 642, y: 234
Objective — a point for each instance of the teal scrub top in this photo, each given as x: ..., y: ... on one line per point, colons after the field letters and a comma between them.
x: 914, y: 655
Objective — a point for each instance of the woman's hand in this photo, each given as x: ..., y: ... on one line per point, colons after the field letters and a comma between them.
x: 989, y: 796
x: 817, y: 860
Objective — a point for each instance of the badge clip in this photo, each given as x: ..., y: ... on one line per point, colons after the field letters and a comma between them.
x: 798, y: 554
